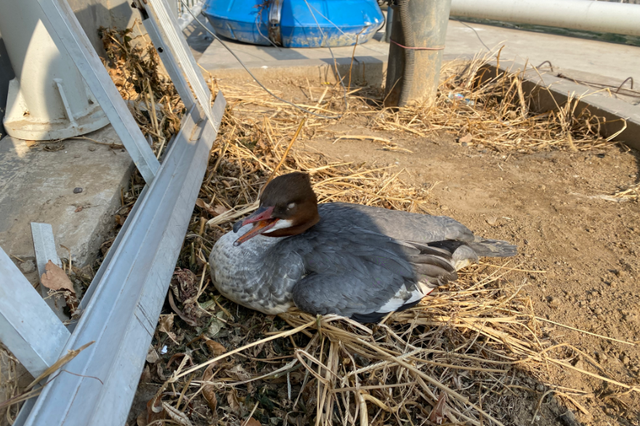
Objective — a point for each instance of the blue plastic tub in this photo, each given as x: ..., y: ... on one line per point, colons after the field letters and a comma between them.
x: 303, y: 23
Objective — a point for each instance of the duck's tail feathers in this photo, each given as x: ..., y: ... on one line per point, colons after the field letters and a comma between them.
x: 493, y: 248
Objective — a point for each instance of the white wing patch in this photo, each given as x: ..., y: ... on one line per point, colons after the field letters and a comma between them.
x: 401, y: 298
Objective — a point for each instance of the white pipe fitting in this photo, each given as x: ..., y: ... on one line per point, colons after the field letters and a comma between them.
x: 48, y: 99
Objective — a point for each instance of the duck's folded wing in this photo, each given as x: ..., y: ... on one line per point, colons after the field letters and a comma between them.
x: 398, y: 224
x: 347, y: 295
x: 364, y: 275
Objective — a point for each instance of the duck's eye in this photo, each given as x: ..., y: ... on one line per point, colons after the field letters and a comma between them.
x: 291, y: 205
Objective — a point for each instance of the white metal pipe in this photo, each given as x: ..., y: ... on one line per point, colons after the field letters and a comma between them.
x: 617, y: 18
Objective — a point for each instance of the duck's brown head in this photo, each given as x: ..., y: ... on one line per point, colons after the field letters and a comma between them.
x: 288, y: 206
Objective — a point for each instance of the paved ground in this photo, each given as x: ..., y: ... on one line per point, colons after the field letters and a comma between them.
x: 577, y: 58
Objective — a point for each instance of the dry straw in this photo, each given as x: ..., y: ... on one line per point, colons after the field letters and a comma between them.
x: 467, y: 355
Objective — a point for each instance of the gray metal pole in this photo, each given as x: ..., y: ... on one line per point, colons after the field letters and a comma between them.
x: 418, y: 32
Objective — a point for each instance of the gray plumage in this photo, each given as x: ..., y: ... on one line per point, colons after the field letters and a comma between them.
x: 358, y: 261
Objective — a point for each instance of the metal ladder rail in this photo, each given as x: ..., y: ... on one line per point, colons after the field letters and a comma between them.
x: 124, y: 300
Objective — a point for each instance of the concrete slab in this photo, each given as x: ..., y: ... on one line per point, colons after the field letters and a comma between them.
x: 37, y: 184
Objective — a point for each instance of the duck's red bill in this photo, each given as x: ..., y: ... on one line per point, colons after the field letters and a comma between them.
x: 258, y: 228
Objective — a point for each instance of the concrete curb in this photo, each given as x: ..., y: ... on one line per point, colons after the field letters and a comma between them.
x: 547, y: 92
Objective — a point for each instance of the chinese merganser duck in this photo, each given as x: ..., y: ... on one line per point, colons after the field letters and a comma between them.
x: 353, y: 260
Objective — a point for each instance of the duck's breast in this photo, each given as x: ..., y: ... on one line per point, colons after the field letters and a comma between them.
x: 255, y: 274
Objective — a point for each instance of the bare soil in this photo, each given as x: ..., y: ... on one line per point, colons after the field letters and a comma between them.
x: 578, y: 250
x: 550, y: 205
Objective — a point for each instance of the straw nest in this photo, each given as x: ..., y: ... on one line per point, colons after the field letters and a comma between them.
x: 468, y: 354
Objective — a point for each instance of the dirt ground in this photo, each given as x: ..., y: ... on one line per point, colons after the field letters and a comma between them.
x: 550, y: 205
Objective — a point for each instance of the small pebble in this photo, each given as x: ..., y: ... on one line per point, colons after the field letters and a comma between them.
x: 28, y: 266
x: 597, y: 311
x: 77, y: 190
